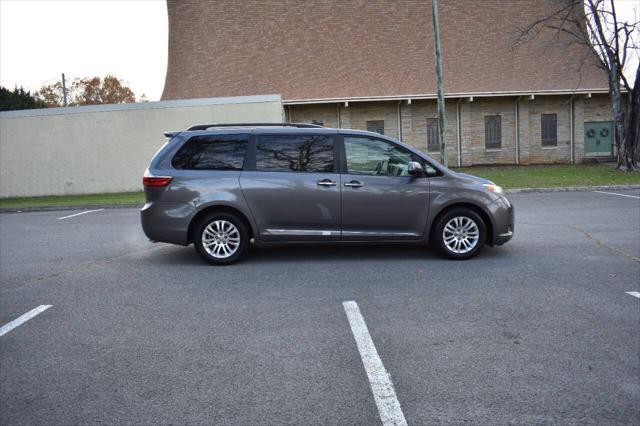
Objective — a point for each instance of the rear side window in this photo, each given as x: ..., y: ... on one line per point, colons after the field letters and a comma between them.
x: 212, y: 152
x: 294, y: 153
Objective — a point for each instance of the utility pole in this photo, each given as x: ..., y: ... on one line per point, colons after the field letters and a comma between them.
x: 64, y: 90
x: 441, y: 121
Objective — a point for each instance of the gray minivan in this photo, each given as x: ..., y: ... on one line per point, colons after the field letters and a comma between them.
x: 223, y: 187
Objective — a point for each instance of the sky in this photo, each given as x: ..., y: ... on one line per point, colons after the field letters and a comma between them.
x: 39, y: 40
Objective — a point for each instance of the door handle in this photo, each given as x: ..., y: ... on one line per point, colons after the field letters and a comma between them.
x: 326, y: 182
x: 353, y: 184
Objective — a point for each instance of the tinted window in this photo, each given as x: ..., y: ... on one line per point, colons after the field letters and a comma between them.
x: 376, y: 126
x: 549, y: 129
x: 366, y: 156
x: 493, y: 131
x: 294, y: 153
x: 433, y: 135
x: 212, y: 152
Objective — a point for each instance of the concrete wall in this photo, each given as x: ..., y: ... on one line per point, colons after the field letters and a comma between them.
x: 105, y: 148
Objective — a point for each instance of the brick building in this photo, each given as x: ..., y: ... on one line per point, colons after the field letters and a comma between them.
x: 369, y: 64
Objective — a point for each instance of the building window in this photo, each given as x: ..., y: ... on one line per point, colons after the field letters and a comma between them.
x: 294, y: 153
x: 376, y: 126
x: 492, y: 131
x: 433, y: 135
x: 549, y: 129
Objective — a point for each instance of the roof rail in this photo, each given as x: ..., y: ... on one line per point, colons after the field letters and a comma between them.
x: 299, y: 125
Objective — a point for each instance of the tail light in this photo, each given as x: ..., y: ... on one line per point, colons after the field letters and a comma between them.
x: 150, y: 180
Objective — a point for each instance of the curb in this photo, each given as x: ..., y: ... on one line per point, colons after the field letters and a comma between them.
x: 571, y: 189
x: 64, y: 208
x: 507, y: 191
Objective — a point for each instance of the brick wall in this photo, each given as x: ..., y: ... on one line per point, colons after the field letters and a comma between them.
x: 413, y: 118
x: 414, y: 131
x: 324, y: 113
x: 474, y: 139
x: 310, y: 49
x: 358, y: 113
x: 531, y: 149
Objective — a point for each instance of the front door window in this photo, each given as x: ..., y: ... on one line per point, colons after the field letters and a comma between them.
x: 374, y: 157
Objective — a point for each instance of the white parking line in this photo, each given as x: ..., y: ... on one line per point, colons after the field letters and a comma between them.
x: 381, y: 386
x: 22, y: 319
x: 633, y: 293
x: 615, y: 193
x: 78, y: 214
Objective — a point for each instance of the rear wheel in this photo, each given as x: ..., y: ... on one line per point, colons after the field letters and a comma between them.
x: 221, y: 238
x: 460, y: 234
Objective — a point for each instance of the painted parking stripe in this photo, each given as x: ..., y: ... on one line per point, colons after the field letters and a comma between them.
x: 633, y: 293
x: 78, y: 214
x: 615, y: 193
x: 22, y: 319
x: 381, y: 386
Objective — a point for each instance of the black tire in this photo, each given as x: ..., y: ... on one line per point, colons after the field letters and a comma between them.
x: 438, y: 235
x: 242, y: 247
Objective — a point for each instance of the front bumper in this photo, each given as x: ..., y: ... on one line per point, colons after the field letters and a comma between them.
x: 504, y: 221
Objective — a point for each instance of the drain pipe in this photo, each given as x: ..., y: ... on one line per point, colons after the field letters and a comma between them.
x: 459, y: 131
x: 517, y: 112
x: 399, y: 109
x: 572, y: 132
x: 338, y: 115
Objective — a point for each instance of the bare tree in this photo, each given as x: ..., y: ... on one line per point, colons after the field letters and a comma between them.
x: 594, y: 23
x: 87, y: 91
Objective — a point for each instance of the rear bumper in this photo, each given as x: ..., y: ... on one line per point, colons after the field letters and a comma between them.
x: 166, y: 222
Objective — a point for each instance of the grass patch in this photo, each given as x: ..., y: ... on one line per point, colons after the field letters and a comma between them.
x: 553, y: 175
x: 73, y: 200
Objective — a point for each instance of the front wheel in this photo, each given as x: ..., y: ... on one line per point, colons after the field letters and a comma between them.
x: 460, y: 234
x: 221, y: 238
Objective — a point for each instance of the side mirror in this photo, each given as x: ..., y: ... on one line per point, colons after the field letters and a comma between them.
x: 415, y: 169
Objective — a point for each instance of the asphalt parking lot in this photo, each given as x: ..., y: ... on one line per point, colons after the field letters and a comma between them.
x: 539, y: 331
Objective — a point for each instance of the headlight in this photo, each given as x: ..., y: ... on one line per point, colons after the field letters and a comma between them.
x: 493, y: 188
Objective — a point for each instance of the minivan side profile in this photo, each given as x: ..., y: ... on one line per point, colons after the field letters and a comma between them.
x: 222, y: 187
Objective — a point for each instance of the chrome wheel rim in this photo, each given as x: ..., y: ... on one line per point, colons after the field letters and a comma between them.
x: 461, y: 235
x: 221, y: 239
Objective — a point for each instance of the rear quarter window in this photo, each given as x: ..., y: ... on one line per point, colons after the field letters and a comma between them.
x: 212, y: 152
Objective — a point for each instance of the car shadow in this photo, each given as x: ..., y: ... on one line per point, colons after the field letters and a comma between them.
x: 328, y: 253
x: 338, y: 252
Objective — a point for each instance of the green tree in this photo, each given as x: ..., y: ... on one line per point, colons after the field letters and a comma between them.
x: 18, y: 98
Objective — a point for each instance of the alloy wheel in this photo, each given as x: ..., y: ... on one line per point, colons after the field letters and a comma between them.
x: 221, y: 239
x: 461, y: 235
